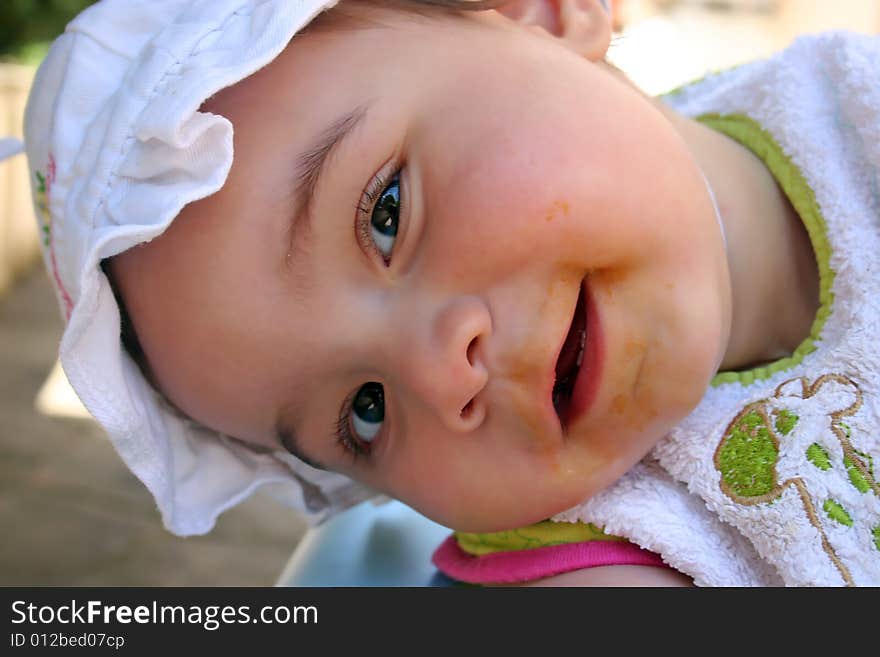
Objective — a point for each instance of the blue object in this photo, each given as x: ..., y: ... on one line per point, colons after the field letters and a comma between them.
x: 368, y: 545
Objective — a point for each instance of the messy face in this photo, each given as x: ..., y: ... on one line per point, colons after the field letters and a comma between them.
x: 453, y: 260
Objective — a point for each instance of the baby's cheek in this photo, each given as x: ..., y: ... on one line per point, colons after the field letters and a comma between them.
x: 674, y: 373
x: 500, y: 203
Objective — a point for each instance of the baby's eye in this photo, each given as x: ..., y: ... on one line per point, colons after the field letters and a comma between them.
x: 385, y: 217
x: 368, y: 412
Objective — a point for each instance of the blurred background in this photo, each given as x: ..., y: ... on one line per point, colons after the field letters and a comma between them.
x: 70, y: 512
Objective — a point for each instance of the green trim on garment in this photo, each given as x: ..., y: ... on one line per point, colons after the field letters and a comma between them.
x: 540, y: 534
x: 750, y: 134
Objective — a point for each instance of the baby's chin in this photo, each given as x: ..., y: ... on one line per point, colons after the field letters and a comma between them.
x: 480, y: 516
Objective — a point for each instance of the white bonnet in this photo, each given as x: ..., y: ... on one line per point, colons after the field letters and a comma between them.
x: 116, y: 147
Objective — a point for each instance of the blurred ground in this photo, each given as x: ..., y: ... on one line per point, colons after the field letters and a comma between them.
x: 72, y: 514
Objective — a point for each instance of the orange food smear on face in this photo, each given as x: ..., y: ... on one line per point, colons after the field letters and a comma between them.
x: 611, y: 277
x: 606, y: 281
x: 528, y: 410
x: 520, y: 374
x: 527, y: 365
x: 633, y: 347
x: 554, y: 210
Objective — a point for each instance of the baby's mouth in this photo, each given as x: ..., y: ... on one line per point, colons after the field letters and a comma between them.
x: 570, y: 358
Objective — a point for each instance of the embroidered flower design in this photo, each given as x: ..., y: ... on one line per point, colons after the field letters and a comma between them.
x: 44, y: 216
x: 44, y: 190
x: 815, y: 436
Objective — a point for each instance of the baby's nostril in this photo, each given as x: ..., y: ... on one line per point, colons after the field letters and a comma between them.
x: 467, y: 410
x: 470, y: 351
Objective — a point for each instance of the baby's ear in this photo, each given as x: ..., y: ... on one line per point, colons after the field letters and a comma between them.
x: 584, y: 26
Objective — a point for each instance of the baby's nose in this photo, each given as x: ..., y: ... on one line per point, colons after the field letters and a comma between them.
x: 448, y: 369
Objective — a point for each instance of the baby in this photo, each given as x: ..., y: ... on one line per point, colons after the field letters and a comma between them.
x: 457, y: 258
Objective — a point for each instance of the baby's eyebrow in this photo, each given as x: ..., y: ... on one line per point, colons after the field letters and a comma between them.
x: 310, y: 166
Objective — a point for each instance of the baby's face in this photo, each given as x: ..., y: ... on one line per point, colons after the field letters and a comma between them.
x: 492, y: 193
